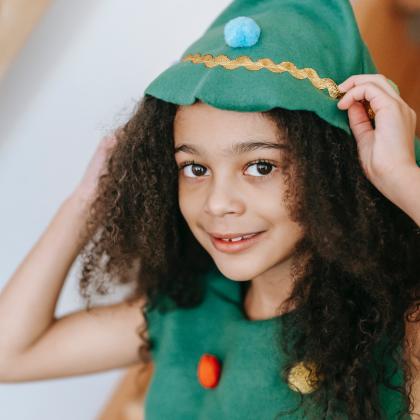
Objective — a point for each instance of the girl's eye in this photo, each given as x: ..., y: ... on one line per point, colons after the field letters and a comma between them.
x: 196, y: 169
x: 264, y: 168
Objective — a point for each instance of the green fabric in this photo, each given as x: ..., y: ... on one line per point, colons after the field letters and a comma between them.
x: 318, y: 34
x: 250, y: 386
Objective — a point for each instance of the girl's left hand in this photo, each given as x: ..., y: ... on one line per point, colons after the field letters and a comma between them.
x: 386, y: 152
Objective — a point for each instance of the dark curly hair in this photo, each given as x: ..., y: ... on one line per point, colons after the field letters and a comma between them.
x: 352, y: 296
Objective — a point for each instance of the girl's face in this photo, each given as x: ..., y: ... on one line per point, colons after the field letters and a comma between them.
x: 230, y: 182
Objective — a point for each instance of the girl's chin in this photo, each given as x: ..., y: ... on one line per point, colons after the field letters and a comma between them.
x: 239, y: 271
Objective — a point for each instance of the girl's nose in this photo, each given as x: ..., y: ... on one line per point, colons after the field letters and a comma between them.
x: 223, y: 197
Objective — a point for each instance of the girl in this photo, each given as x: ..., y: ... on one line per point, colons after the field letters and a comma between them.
x: 276, y: 254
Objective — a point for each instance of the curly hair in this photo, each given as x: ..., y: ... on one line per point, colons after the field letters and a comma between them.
x: 352, y: 296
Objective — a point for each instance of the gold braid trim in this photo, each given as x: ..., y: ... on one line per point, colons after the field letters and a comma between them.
x: 266, y: 63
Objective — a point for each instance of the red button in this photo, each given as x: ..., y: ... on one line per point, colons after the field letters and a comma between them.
x: 209, y: 368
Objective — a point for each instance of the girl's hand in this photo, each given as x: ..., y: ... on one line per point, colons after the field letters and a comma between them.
x: 386, y: 152
x: 85, y: 192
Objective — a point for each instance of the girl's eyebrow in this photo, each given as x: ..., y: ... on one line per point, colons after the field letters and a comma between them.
x: 235, y: 149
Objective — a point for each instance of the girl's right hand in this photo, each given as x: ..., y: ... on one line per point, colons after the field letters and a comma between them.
x: 85, y: 192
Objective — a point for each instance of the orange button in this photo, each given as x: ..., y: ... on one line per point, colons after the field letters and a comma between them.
x: 209, y: 368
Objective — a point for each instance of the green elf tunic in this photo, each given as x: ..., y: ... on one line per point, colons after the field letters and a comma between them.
x: 249, y: 385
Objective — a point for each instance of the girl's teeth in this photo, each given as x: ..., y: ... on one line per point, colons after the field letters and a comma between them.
x: 238, y: 238
x: 232, y: 239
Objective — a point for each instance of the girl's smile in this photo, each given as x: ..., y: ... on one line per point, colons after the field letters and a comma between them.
x: 235, y: 244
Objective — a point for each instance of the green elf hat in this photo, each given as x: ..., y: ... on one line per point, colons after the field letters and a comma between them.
x: 262, y: 54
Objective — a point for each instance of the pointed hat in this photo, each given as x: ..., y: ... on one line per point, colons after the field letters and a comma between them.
x: 262, y: 54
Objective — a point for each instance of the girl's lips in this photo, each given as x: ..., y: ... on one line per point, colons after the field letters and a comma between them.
x: 231, y: 247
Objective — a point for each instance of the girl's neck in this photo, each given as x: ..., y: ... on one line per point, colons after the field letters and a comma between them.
x: 255, y: 307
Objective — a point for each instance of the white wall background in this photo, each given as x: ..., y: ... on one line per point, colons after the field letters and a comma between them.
x: 78, y: 77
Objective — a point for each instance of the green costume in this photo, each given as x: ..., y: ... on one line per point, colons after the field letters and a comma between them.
x: 256, y: 55
x: 249, y: 387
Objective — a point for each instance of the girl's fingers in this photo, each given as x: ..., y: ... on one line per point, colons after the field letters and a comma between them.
x: 378, y: 79
x: 360, y: 123
x: 371, y: 92
x: 378, y: 100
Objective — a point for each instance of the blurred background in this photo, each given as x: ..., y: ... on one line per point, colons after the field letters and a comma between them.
x: 71, y: 72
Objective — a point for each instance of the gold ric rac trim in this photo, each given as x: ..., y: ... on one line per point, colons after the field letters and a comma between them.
x: 266, y: 63
x: 303, y: 377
